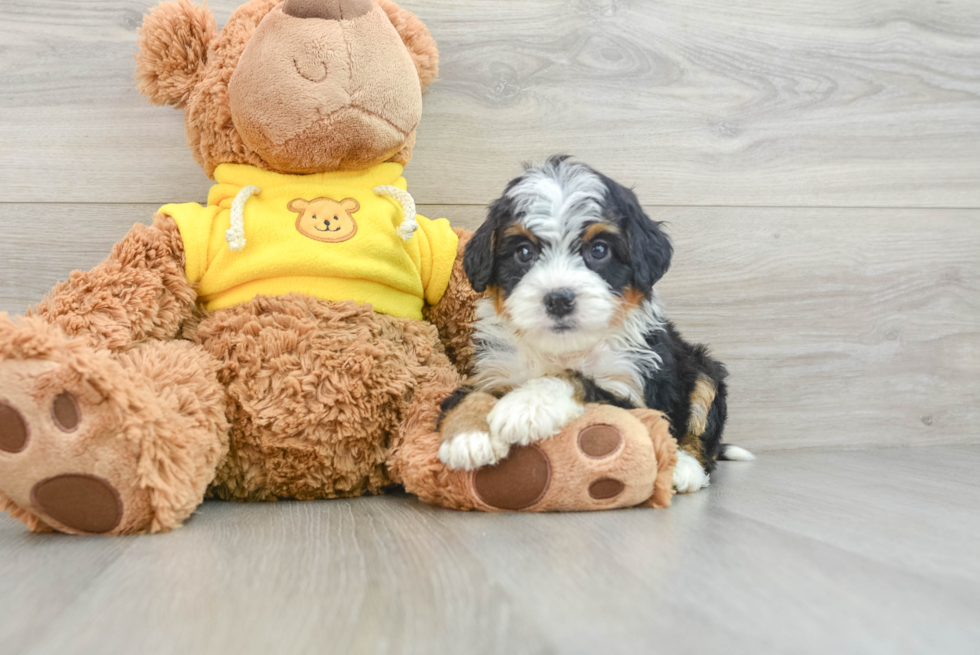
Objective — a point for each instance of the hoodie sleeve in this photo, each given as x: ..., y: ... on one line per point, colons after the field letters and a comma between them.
x: 195, y: 223
x: 437, y: 250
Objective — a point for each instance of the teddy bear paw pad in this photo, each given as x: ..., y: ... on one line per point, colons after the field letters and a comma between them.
x: 600, y: 441
x: 602, y: 460
x: 517, y: 482
x: 62, y: 457
x: 85, y: 503
x: 13, y: 429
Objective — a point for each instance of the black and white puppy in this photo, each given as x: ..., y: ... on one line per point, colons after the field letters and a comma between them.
x: 569, y: 260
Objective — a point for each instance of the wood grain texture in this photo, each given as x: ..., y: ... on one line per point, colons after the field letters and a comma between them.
x: 844, y: 328
x: 842, y: 103
x: 777, y: 556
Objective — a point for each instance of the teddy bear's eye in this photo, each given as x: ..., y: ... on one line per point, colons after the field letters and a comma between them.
x: 335, y: 218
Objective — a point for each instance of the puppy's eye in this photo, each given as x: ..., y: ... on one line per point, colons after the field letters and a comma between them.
x: 598, y: 250
x: 524, y: 254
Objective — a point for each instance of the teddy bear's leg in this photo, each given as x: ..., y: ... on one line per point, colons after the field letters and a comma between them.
x: 606, y: 459
x: 99, y: 443
x: 317, y: 391
x: 104, y: 428
x: 414, y: 458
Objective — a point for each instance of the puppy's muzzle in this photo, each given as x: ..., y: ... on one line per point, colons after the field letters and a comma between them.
x: 560, y: 303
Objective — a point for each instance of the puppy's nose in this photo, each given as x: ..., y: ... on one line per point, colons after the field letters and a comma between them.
x: 560, y: 302
x: 327, y: 9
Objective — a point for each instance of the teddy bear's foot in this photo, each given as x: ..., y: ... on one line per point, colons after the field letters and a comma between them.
x: 604, y: 460
x: 608, y: 458
x: 62, y: 457
x: 90, y: 445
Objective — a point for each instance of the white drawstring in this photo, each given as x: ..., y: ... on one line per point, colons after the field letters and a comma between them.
x: 235, y: 236
x: 409, y: 225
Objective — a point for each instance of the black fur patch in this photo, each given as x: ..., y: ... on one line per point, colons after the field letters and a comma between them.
x: 648, y: 246
x: 452, y: 402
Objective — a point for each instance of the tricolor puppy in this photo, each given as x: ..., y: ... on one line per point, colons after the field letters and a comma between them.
x: 569, y: 261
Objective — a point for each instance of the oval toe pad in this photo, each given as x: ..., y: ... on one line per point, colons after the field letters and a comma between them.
x: 82, y: 502
x: 517, y: 482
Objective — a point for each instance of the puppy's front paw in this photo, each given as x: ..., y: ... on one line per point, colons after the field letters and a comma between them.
x: 689, y: 475
x: 537, y: 410
x: 472, y: 450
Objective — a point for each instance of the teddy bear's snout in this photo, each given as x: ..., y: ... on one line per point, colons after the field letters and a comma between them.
x: 327, y: 9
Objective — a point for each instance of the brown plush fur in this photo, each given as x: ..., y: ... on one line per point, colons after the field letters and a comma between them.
x: 153, y: 422
x: 421, y: 45
x: 316, y: 392
x: 666, y: 449
x: 140, y: 292
x: 184, y: 63
x: 455, y: 315
x: 173, y: 49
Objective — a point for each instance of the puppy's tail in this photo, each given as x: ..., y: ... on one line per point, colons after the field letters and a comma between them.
x: 731, y: 453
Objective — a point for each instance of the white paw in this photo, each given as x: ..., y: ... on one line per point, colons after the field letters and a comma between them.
x: 689, y: 475
x: 471, y: 450
x: 537, y: 410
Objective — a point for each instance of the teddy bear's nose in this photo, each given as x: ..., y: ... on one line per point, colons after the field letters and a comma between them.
x: 327, y: 9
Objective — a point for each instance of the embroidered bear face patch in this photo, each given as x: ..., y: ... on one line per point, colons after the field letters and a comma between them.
x: 325, y: 219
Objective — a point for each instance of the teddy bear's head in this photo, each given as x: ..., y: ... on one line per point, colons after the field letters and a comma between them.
x: 301, y: 86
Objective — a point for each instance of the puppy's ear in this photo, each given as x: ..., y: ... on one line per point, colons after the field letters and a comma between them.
x: 481, y: 251
x: 173, y: 49
x: 479, y: 255
x: 417, y: 39
x: 650, y: 249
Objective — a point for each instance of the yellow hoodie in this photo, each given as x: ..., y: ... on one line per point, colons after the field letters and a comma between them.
x: 336, y: 236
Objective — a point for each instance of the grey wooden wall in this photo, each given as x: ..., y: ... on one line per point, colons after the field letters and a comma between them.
x: 818, y: 162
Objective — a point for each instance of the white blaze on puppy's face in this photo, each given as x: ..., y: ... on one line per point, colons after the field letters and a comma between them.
x: 594, y: 305
x: 569, y: 259
x: 556, y: 204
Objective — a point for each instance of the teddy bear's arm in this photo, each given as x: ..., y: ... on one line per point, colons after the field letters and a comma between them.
x: 139, y: 292
x: 455, y: 315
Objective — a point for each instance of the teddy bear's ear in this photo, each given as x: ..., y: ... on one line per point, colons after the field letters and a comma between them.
x: 417, y: 39
x: 173, y: 48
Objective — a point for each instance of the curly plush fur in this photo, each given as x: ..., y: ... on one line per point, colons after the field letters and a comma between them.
x: 280, y: 397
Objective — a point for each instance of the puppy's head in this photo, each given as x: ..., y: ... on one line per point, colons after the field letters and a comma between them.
x: 567, y: 254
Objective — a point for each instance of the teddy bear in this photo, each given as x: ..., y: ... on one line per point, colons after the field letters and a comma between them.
x: 294, y: 336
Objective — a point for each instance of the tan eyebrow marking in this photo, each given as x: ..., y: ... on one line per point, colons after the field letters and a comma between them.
x: 520, y: 229
x: 595, y: 229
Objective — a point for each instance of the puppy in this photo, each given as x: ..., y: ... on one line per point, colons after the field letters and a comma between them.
x: 568, y: 260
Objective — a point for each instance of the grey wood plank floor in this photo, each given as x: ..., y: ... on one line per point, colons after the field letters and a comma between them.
x: 798, y: 552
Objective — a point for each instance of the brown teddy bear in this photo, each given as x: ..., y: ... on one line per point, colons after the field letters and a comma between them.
x: 294, y: 337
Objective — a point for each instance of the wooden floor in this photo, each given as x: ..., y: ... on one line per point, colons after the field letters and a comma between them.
x: 799, y: 552
x: 819, y: 167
